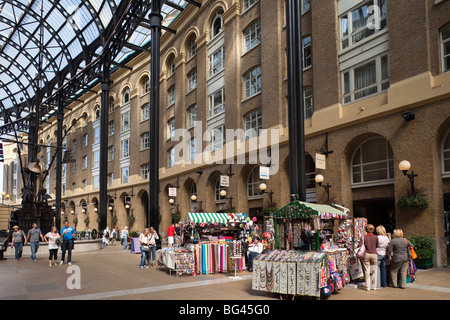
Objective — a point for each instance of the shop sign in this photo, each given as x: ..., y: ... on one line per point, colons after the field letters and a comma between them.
x: 320, y: 161
x: 172, y: 192
x: 224, y: 181
x: 264, y: 173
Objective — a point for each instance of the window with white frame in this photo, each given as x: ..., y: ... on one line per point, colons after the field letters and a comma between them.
x: 74, y: 144
x: 111, y: 128
x: 252, y: 36
x: 96, y: 135
x: 445, y: 43
x: 171, y: 96
x: 126, y: 97
x: 191, y: 48
x: 111, y: 107
x: 217, y: 24
x: 252, y: 82
x: 110, y: 153
x: 124, y: 174
x: 170, y: 66
x: 145, y: 141
x: 446, y: 155
x: 308, y: 102
x: 307, y: 56
x: 193, y: 148
x: 171, y: 128
x: 366, y: 79
x: 145, y: 112
x: 125, y: 121
x: 217, y: 102
x: 217, y: 62
x: 217, y: 197
x: 84, y: 184
x: 373, y: 162
x: 357, y: 23
x: 96, y: 113
x: 74, y: 166
x: 253, y: 124
x: 95, y: 181
x: 192, y: 80
x: 306, y: 5
x: 85, y: 140
x: 85, y: 162
x: 96, y: 159
x: 125, y: 148
x: 144, y: 171
x: 216, y: 138
x: 249, y: 3
x: 145, y: 86
x: 171, y: 157
x: 192, y: 116
x: 110, y: 178
x: 253, y: 183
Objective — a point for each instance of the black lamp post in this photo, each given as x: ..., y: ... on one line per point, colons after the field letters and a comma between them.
x: 263, y: 188
x: 319, y: 179
x: 404, y: 166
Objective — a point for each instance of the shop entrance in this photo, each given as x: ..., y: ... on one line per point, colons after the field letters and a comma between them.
x: 377, y: 211
x: 258, y: 213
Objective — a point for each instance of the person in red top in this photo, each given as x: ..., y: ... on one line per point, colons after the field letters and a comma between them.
x: 370, y: 260
x: 170, y: 232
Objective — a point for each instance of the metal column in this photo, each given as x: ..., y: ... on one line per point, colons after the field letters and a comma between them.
x: 59, y: 138
x: 295, y: 101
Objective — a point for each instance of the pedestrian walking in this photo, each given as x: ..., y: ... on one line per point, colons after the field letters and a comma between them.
x: 151, y: 256
x: 18, y: 240
x: 399, y: 254
x: 383, y: 242
x: 370, y: 260
x: 68, y: 233
x: 125, y: 238
x: 34, y: 234
x: 144, y: 239
x: 51, y: 239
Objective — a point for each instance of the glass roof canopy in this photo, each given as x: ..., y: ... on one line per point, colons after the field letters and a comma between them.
x: 70, y: 29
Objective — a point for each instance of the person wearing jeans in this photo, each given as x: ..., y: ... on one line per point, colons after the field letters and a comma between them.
x: 33, y: 237
x: 151, y: 255
x: 254, y: 249
x: 144, y: 239
x: 18, y: 237
x: 67, y: 234
x: 383, y: 242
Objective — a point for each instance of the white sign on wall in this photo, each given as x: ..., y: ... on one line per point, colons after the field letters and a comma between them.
x: 320, y: 161
x: 172, y: 192
x: 264, y: 173
x: 224, y: 181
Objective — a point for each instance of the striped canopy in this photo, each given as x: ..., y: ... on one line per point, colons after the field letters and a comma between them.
x: 204, y: 217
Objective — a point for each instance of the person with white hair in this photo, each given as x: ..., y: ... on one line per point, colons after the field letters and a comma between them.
x: 125, y: 237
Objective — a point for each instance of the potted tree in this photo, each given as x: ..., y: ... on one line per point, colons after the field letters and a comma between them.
x: 423, y: 245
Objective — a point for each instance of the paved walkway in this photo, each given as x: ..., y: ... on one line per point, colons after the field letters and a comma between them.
x: 114, y: 274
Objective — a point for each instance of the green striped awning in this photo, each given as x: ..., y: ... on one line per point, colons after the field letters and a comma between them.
x: 204, y: 217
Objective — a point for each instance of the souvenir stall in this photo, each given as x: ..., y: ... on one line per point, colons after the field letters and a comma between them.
x: 177, y: 259
x: 306, y: 262
x: 217, y: 240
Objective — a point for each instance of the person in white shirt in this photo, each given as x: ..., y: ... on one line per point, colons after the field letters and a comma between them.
x: 51, y: 238
x: 254, y: 249
x: 383, y: 242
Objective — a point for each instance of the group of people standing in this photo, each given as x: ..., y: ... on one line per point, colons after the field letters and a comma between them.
x: 52, y: 238
x: 380, y: 249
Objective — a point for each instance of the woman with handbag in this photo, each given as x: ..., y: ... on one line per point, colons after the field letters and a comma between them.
x: 152, y: 253
x: 383, y: 242
x: 399, y: 254
x: 52, y: 239
x: 370, y: 243
x: 144, y: 239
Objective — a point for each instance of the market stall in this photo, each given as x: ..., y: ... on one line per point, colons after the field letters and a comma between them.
x: 307, y: 261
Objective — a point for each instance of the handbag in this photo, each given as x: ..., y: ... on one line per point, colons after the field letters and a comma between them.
x: 145, y: 248
x: 361, y: 254
x: 412, y: 252
x: 152, y: 240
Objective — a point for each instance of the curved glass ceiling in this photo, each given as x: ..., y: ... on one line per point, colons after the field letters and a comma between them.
x: 69, y: 27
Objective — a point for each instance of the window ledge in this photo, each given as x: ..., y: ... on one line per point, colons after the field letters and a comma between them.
x: 251, y: 49
x: 372, y: 183
x: 251, y: 97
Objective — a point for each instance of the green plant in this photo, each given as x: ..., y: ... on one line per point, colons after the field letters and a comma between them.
x: 82, y: 234
x: 176, y: 217
x: 86, y: 221
x: 114, y: 220
x: 418, y: 202
x: 131, y: 219
x: 98, y: 220
x: 269, y: 210
x: 423, y: 246
x: 75, y: 221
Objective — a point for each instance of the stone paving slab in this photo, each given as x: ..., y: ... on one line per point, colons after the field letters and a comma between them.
x: 113, y: 274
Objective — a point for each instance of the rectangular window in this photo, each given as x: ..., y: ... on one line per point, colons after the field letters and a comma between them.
x: 171, y: 95
x: 110, y: 153
x: 192, y: 49
x: 110, y: 179
x: 249, y: 3
x: 192, y: 116
x: 171, y: 128
x: 125, y: 148
x: 252, y: 36
x: 307, y: 60
x: 84, y: 185
x: 308, y: 101
x: 74, y: 166
x: 217, y: 62
x: 125, y: 121
x: 217, y: 102
x: 85, y: 140
x: 445, y: 39
x: 252, y: 82
x: 216, y: 138
x: 125, y: 172
x: 145, y: 112
x: 145, y: 141
x: 85, y: 162
x: 171, y: 157
x: 95, y: 182
x: 96, y: 159
x: 253, y: 124
x: 74, y: 145
x: 111, y: 108
x: 111, y: 128
x: 192, y: 80
x: 144, y: 171
x: 193, y: 148
x: 306, y: 5
x: 96, y: 135
x: 366, y: 79
x: 358, y: 23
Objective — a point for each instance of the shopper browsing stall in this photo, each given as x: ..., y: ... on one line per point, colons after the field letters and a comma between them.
x: 254, y: 249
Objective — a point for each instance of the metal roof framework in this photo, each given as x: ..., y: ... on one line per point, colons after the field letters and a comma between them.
x: 68, y: 41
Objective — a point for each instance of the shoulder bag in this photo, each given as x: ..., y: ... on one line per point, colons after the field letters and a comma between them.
x: 413, y: 253
x: 145, y: 247
x: 361, y: 254
x: 152, y: 240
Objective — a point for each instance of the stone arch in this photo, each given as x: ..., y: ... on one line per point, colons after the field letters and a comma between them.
x: 192, y: 31
x: 211, y: 13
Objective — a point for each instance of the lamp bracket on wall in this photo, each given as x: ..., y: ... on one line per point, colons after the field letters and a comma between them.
x: 324, y: 148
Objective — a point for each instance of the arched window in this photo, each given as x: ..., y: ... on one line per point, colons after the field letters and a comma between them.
x: 145, y: 112
x: 145, y: 141
x: 253, y: 183
x: 191, y: 47
x: 170, y: 66
x: 192, y: 192
x: 96, y: 112
x: 145, y: 85
x: 373, y: 162
x: 310, y: 172
x: 217, y: 23
x: 445, y: 44
x: 126, y: 96
x: 446, y: 156
x: 217, y: 188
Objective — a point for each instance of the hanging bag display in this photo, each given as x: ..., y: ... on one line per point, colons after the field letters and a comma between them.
x: 413, y: 253
x: 361, y: 254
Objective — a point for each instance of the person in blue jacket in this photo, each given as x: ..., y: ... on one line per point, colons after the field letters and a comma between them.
x: 68, y: 234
